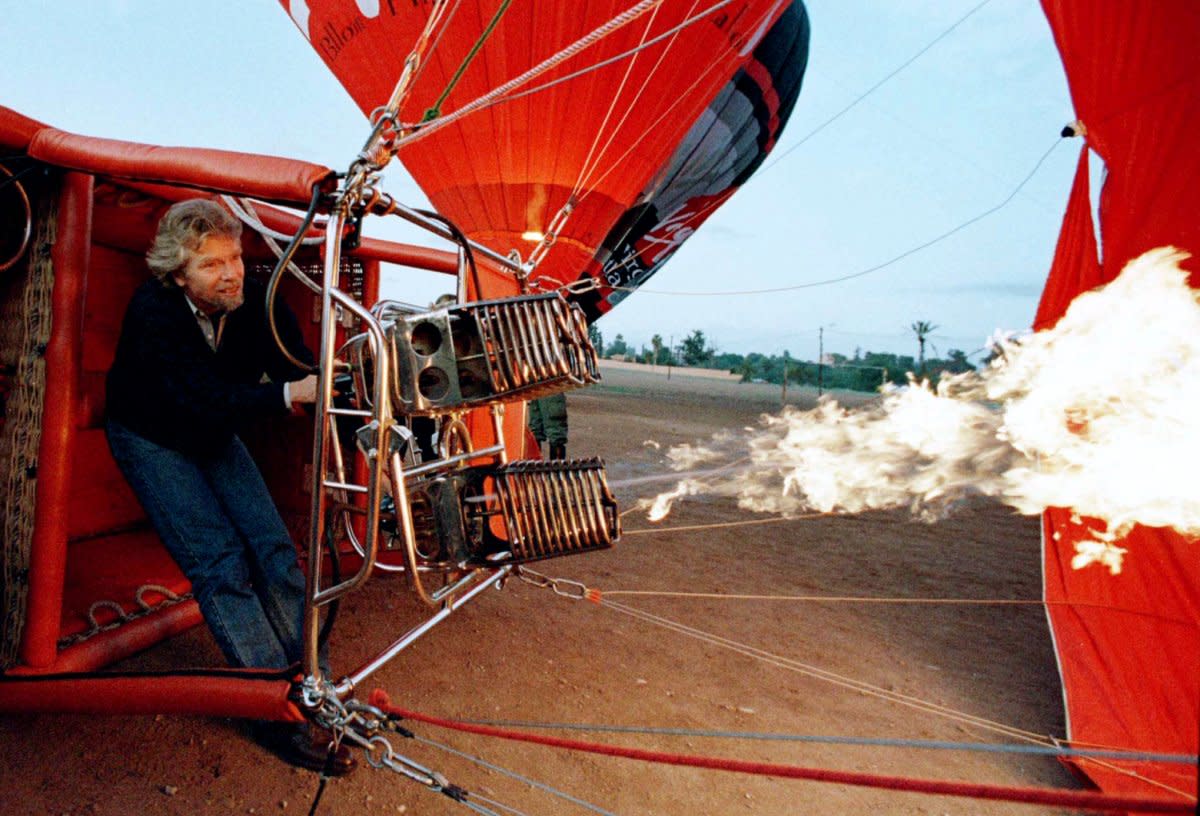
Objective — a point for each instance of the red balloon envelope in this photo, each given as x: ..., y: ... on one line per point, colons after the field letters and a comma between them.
x: 1128, y: 646
x: 597, y: 129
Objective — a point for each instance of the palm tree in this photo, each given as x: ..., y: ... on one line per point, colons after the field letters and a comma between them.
x: 657, y: 342
x: 922, y: 329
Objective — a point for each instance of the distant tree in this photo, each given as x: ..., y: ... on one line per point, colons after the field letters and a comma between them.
x: 922, y: 329
x: 727, y: 360
x: 957, y: 362
x: 657, y: 342
x: 618, y: 347
x: 694, y: 349
x: 897, y: 366
x: 596, y: 337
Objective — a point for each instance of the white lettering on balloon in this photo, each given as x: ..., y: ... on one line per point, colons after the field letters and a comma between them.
x: 669, y: 234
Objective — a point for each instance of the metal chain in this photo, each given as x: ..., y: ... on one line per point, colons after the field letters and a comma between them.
x: 561, y: 586
x: 551, y: 233
x: 545, y: 283
x: 362, y: 724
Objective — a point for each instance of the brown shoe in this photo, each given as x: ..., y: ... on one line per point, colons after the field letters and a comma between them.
x: 305, y: 746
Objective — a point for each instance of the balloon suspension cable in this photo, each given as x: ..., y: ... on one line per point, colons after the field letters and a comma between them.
x: 380, y: 146
x: 550, y: 235
x: 420, y: 130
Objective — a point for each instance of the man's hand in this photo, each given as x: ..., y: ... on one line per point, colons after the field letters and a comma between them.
x: 305, y: 390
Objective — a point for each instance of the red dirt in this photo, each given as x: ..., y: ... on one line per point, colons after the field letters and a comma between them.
x: 526, y: 654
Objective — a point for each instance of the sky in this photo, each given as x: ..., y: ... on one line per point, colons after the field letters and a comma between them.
x: 949, y: 137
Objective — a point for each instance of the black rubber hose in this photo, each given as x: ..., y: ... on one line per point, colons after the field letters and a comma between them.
x: 461, y: 239
x: 277, y: 273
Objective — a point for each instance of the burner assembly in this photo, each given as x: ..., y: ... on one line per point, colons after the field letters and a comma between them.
x: 409, y: 382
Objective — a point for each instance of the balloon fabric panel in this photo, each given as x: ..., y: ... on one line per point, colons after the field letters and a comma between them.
x: 600, y: 137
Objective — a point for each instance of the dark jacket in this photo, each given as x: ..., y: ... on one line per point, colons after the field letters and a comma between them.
x: 168, y: 386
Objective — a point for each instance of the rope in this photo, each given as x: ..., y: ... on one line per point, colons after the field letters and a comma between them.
x: 533, y: 783
x: 573, y: 200
x: 591, y: 161
x: 597, y: 594
x: 444, y: 20
x: 715, y: 525
x: 427, y: 127
x: 481, y: 809
x: 821, y: 127
x: 814, y: 132
x: 827, y: 598
x: 1085, y: 800
x: 679, y: 474
x: 616, y: 163
x: 122, y: 617
x: 613, y: 165
x: 26, y: 313
x: 876, y: 742
x: 822, y: 674
x: 470, y: 805
x: 912, y: 251
x: 435, y: 111
x: 876, y: 86
x: 618, y: 57
x: 491, y: 97
x: 860, y: 686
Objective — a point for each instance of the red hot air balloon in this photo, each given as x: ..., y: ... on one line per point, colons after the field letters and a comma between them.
x: 727, y: 143
x: 580, y: 143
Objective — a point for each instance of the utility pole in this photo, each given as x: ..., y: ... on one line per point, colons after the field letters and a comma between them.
x: 670, y: 355
x: 820, y: 361
x: 783, y: 396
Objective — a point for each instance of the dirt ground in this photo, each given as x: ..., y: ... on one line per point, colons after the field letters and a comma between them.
x: 836, y: 668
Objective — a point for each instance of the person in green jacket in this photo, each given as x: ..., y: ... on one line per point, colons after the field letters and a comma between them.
x: 548, y: 422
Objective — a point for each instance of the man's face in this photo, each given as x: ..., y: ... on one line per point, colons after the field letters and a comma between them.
x: 213, y: 274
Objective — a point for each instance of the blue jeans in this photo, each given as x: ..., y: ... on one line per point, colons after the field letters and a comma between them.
x: 217, y: 520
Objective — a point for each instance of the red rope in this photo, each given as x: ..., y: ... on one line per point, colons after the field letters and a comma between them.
x: 1085, y: 800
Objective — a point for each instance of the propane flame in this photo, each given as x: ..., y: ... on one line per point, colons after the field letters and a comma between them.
x: 1097, y: 414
